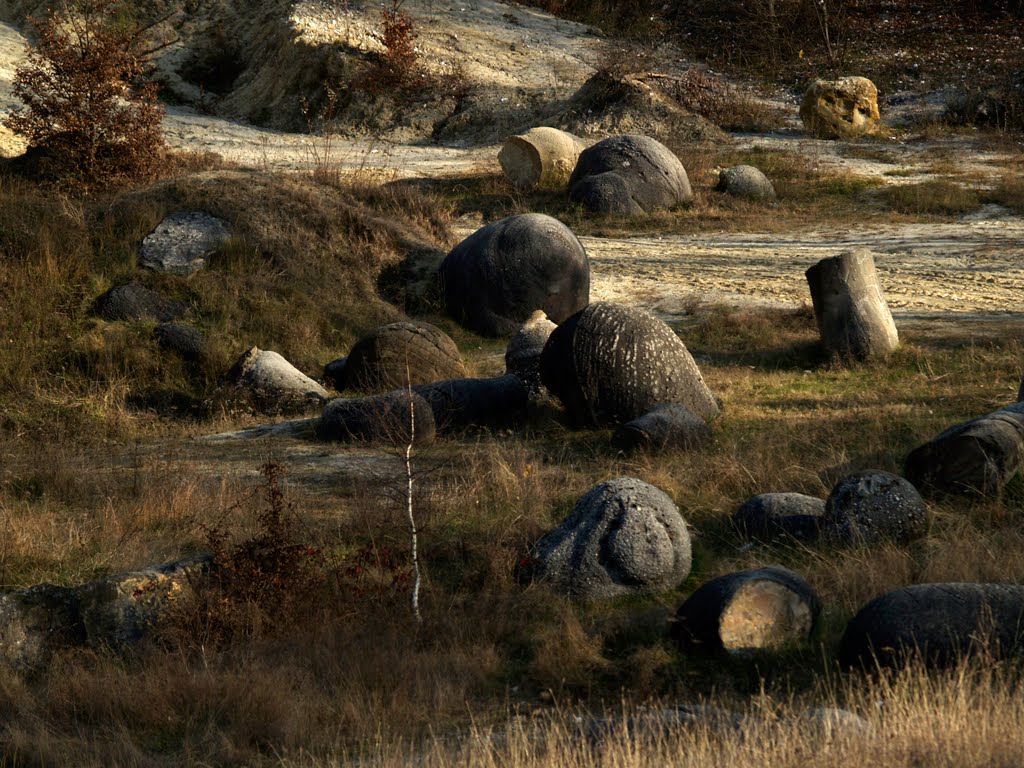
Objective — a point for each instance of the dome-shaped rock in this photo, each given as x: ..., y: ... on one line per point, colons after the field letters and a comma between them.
x: 402, y: 354
x: 745, y: 181
x: 874, y: 506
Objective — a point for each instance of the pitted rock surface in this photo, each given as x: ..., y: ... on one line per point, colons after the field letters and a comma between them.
x: 629, y: 175
x: 873, y: 506
x: 840, y: 109
x: 522, y: 355
x: 501, y: 274
x: 400, y: 355
x: 665, y: 427
x: 390, y: 418
x: 133, y: 301
x: 624, y: 536
x: 611, y: 364
x: 769, y: 515
x: 273, y: 385
x: 182, y: 242
x: 745, y: 181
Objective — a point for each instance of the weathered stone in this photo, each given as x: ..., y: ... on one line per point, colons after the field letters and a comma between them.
x: 501, y: 274
x: 611, y: 363
x: 623, y: 537
x: 400, y: 355
x: 938, y: 623
x: 36, y: 622
x: 873, y: 506
x: 133, y: 301
x: 273, y: 385
x: 745, y: 181
x: 853, y: 319
x: 979, y: 456
x: 334, y: 373
x: 629, y: 175
x: 389, y: 418
x: 769, y: 515
x: 182, y: 242
x: 542, y: 157
x: 664, y: 427
x: 762, y: 609
x: 182, y: 339
x: 522, y: 355
x: 840, y: 109
x: 461, y: 403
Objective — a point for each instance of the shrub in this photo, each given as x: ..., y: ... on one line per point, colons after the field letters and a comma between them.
x: 91, y: 117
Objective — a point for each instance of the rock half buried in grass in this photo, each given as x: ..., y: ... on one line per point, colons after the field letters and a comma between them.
x: 745, y: 181
x: 501, y: 274
x: 402, y: 354
x: 629, y: 175
x: 840, y: 109
x: 133, y: 301
x: 461, y: 403
x: 273, y: 385
x: 184, y: 340
x: 611, y: 364
x: 873, y: 506
x: 664, y: 427
x: 769, y: 515
x: 390, y: 418
x: 979, y: 456
x: 522, y: 355
x: 182, y: 242
x: 624, y: 536
x: 937, y: 623
x: 747, y: 611
x: 853, y: 319
x: 542, y: 157
x: 36, y: 622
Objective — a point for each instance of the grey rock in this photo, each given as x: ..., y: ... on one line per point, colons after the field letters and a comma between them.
x: 762, y: 609
x: 873, y: 506
x: 402, y: 354
x: 460, y: 403
x: 497, y: 277
x: 184, y: 340
x: 745, y: 181
x: 390, y: 418
x: 629, y: 175
x: 133, y: 301
x: 36, y: 622
x: 273, y: 385
x: 182, y: 242
x: 624, y: 536
x: 938, y: 623
x: 522, y: 354
x: 977, y: 457
x: 664, y: 427
x: 769, y: 515
x: 611, y: 363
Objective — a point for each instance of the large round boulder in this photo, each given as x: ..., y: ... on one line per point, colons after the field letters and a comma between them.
x: 840, y: 109
x: 542, y: 157
x: 501, y: 274
x: 769, y: 515
x: 629, y: 175
x: 400, y: 355
x: 395, y: 418
x: 873, y: 506
x: 624, y: 536
x: 611, y: 364
x: 937, y: 623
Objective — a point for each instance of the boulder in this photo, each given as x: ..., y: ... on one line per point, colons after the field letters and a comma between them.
x: 853, y: 319
x: 938, y: 623
x: 133, y: 301
x: 36, y: 622
x: 334, y: 373
x: 629, y: 175
x: 745, y: 181
x: 522, y: 355
x: 623, y: 537
x: 873, y: 506
x: 184, y: 340
x: 611, y: 363
x: 182, y: 242
x: 402, y: 354
x: 840, y: 109
x: 461, y: 403
x: 769, y: 515
x: 979, y: 456
x: 273, y: 385
x: 664, y: 427
x: 542, y: 157
x: 389, y: 418
x: 501, y: 274
x: 748, y: 611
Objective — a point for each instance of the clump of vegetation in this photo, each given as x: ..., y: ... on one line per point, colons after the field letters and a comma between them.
x: 722, y: 103
x: 936, y: 196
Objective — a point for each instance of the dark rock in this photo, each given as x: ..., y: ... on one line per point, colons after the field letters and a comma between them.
x: 664, y: 427
x: 133, y: 301
x: 979, y: 456
x: 623, y: 537
x: 745, y: 181
x: 273, y: 385
x: 182, y: 242
x: 36, y: 622
x: 629, y: 175
x: 780, y: 514
x: 460, y: 403
x: 611, y: 363
x: 497, y: 277
x: 748, y: 611
x: 402, y: 354
x: 938, y: 623
x: 522, y: 355
x: 182, y: 339
x: 873, y: 506
x: 334, y: 373
x: 388, y: 418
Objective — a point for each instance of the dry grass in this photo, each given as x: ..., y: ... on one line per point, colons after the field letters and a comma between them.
x: 934, y: 197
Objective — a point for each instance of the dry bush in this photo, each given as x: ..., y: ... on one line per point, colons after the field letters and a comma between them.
x: 726, y: 105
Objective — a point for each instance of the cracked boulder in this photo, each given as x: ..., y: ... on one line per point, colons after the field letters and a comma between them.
x: 37, y: 621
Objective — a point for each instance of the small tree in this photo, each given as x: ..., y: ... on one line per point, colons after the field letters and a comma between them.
x: 90, y: 113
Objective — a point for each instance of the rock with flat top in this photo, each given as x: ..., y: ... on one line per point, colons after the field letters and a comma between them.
x: 182, y: 242
x: 540, y: 158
